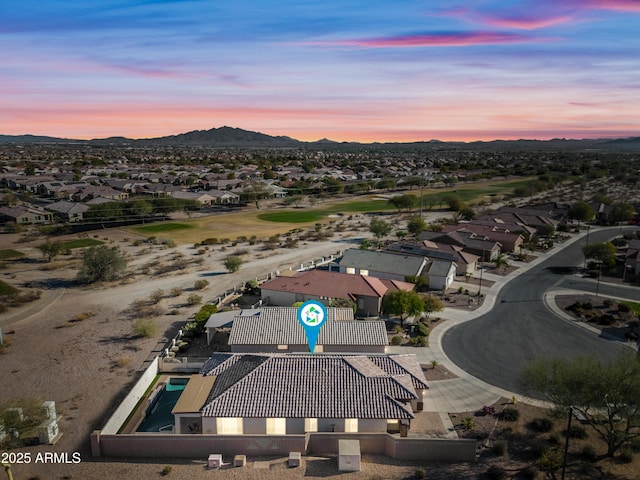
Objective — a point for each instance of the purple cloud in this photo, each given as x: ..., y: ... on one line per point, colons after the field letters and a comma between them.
x: 462, y: 39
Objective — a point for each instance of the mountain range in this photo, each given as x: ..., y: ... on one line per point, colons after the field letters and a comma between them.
x: 229, y: 137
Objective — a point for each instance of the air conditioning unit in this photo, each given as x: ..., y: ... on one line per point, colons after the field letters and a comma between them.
x: 48, y: 431
x: 49, y: 409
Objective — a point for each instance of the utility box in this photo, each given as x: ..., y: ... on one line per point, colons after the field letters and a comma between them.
x: 239, y: 460
x: 49, y: 409
x: 348, y: 455
x: 48, y: 431
x: 214, y: 460
x: 294, y: 459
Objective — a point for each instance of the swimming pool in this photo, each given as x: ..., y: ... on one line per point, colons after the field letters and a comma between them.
x: 158, y: 417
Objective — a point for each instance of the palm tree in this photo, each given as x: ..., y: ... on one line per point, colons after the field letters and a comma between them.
x: 501, y: 261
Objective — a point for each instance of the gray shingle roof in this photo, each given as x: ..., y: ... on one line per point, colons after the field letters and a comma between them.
x: 280, y: 326
x: 385, y: 262
x: 312, y: 386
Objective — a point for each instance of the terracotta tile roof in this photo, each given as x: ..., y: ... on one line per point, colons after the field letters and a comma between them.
x: 332, y: 285
x: 313, y: 386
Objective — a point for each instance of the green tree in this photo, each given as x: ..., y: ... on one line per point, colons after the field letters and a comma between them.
x: 581, y: 211
x: 416, y: 225
x: 606, y: 395
x: 50, y: 250
x: 622, y: 212
x: 255, y: 192
x: 233, y: 263
x: 467, y: 213
x: 403, y: 304
x: 379, y: 228
x: 604, y: 252
x: 101, y: 263
x: 432, y: 304
x: 403, y: 202
x: 139, y: 208
x: 454, y: 202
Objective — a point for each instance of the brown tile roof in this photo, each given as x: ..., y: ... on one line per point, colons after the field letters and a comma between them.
x: 334, y: 285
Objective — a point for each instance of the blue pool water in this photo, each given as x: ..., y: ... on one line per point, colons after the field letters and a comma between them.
x: 158, y: 416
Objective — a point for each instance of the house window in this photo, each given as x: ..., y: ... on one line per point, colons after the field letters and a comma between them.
x: 229, y: 426
x: 364, y: 272
x: 351, y: 425
x: 318, y: 349
x: 283, y: 347
x: 276, y: 426
x: 310, y: 424
x: 351, y: 270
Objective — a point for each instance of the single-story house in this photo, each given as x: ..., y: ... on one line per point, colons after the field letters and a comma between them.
x: 274, y: 394
x: 510, y: 242
x: 392, y: 266
x: 470, y: 242
x: 632, y: 257
x: 366, y: 292
x: 25, y: 215
x: 224, y: 196
x: 277, y: 330
x: 68, y: 211
x: 201, y: 197
x: 466, y: 263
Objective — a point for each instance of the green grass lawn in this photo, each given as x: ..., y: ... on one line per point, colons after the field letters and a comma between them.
x: 80, y: 243
x: 306, y: 216
x: 162, y: 227
x: 635, y: 306
x: 6, y: 289
x: 10, y: 254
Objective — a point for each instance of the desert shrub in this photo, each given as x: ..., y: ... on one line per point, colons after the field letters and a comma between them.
x: 589, y: 453
x: 624, y: 308
x: 423, y: 330
x: 205, y: 312
x: 123, y: 361
x: 510, y: 414
x: 606, y: 319
x: 468, y: 424
x: 144, y: 327
x: 396, y: 340
x: 157, y: 295
x: 496, y: 472
x: 626, y: 455
x: 577, y: 431
x: 209, y: 241
x: 420, y: 473
x: 194, y: 299
x: 634, y: 445
x: 176, y: 291
x: 587, y: 305
x: 398, y: 329
x: 607, y: 302
x: 550, y: 461
x: 530, y: 472
x: 423, y: 341
x: 166, y: 470
x: 499, y: 448
x: 541, y: 425
x: 201, y: 284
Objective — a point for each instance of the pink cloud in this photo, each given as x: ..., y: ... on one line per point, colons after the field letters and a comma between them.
x: 435, y: 40
x: 617, y: 5
x: 523, y: 23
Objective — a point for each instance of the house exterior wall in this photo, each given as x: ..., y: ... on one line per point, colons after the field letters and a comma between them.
x: 209, y: 426
x: 295, y: 426
x: 367, y: 306
x: 252, y: 426
x: 372, y: 273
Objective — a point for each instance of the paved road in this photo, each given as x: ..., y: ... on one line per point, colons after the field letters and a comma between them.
x: 495, y: 346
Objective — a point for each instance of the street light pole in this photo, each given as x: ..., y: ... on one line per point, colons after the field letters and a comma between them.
x: 586, y: 244
x: 566, y: 444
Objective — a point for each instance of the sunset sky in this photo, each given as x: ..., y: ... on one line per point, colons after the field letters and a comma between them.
x: 345, y: 70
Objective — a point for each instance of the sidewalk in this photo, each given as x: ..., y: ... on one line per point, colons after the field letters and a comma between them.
x: 468, y: 393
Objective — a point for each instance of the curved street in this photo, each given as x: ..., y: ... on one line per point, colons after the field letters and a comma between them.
x: 496, y: 345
